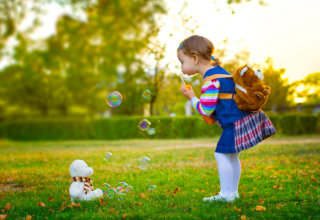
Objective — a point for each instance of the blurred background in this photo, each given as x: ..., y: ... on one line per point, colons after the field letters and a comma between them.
x: 59, y: 59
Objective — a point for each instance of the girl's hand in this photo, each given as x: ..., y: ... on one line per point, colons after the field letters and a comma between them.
x: 189, y: 94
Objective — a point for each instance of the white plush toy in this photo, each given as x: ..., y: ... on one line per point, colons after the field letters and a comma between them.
x: 81, y: 188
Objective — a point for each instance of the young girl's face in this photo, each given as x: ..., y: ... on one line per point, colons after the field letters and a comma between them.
x: 188, y: 65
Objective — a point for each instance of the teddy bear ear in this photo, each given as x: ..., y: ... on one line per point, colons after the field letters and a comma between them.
x: 259, y: 74
x: 243, y: 71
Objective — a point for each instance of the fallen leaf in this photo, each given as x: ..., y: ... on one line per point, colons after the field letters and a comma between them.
x: 124, y: 215
x: 243, y: 194
x: 101, y: 202
x: 142, y: 195
x: 261, y: 201
x: 63, y: 206
x: 8, y: 206
x: 50, y: 199
x: 280, y: 205
x: 111, y: 210
x: 28, y: 217
x: 75, y: 204
x: 138, y: 203
x: 235, y: 208
x: 3, y: 216
x: 41, y: 204
x: 176, y: 190
x: 260, y: 208
x: 243, y: 217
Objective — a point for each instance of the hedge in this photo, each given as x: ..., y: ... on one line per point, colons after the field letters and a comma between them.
x: 127, y: 128
x: 111, y: 128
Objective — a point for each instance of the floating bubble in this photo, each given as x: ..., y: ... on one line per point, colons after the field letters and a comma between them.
x: 114, y: 99
x: 144, y: 124
x: 146, y: 93
x: 151, y: 131
x: 129, y: 188
x: 121, y: 187
x: 111, y: 193
x: 107, y: 156
x: 121, y: 196
x: 105, y: 187
x: 143, y: 162
x: 152, y: 188
x: 126, y: 167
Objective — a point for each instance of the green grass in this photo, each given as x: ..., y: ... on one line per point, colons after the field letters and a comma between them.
x: 281, y: 176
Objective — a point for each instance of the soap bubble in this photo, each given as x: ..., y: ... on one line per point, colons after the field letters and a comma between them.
x: 151, y: 131
x: 111, y: 193
x: 126, y: 167
x: 143, y: 162
x: 144, y: 124
x: 146, y: 93
x: 129, y: 188
x: 121, y: 196
x: 121, y: 187
x: 107, y: 156
x: 105, y: 187
x: 152, y: 188
x: 114, y: 99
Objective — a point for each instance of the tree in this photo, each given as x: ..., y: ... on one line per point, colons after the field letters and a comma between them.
x: 279, y: 87
x: 310, y: 89
x: 83, y: 57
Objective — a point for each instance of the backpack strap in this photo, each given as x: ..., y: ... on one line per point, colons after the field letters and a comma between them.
x: 215, y: 76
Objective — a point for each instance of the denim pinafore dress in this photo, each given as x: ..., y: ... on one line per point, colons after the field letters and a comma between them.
x: 241, y: 129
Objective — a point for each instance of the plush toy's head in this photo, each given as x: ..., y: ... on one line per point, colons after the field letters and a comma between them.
x: 80, y: 168
x: 252, y: 93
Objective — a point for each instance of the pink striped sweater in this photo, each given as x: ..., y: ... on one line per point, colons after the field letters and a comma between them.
x: 208, y: 99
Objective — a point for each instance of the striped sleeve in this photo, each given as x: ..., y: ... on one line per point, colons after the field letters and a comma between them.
x: 209, y: 98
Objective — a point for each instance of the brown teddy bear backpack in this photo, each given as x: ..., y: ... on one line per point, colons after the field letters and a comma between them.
x: 251, y: 92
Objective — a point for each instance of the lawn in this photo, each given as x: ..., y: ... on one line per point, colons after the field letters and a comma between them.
x: 279, y: 177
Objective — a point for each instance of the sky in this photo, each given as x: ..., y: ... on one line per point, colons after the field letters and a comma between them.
x: 286, y: 30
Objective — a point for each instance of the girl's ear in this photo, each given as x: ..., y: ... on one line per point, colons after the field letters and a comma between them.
x: 195, y: 59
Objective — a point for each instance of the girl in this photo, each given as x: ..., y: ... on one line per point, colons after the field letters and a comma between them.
x: 195, y: 54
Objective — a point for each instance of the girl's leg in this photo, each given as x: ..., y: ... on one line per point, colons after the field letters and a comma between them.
x: 225, y: 173
x: 236, y: 165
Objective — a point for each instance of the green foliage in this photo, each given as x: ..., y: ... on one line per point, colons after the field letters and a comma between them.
x: 308, y: 124
x: 279, y: 86
x: 310, y: 89
x: 116, y: 128
x: 79, y: 66
x: 275, y: 119
x: 113, y: 128
x: 290, y: 124
x: 318, y: 125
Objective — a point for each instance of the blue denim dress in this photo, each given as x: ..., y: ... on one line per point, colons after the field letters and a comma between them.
x: 226, y: 112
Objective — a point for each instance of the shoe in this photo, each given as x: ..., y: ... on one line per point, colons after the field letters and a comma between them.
x: 221, y: 197
x: 236, y: 195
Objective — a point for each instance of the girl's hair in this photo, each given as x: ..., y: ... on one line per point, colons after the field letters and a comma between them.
x: 200, y: 46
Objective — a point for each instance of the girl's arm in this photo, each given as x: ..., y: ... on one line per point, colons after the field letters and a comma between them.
x: 209, y: 98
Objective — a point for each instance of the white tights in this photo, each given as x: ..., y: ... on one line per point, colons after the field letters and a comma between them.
x: 229, y: 168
